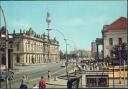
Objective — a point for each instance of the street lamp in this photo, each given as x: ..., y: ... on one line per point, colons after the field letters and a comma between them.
x: 6, y: 46
x: 65, y: 48
x: 48, y: 20
x: 66, y: 58
x: 75, y: 47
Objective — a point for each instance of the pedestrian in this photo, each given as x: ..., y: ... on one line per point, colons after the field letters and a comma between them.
x: 24, y: 82
x: 49, y: 75
x: 35, y: 86
x: 69, y: 84
x: 42, y: 83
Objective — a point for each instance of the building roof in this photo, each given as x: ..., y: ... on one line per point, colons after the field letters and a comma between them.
x: 119, y: 24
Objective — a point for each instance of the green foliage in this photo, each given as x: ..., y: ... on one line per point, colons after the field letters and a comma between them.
x: 120, y: 51
x: 61, y: 55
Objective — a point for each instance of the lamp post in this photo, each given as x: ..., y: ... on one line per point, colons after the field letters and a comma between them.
x: 48, y: 20
x: 75, y: 47
x: 77, y: 54
x: 66, y: 59
x: 6, y: 46
x: 65, y: 50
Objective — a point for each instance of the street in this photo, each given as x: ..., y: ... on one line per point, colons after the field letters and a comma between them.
x: 34, y: 72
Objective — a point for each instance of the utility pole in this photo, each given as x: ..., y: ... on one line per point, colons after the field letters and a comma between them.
x: 66, y: 50
x: 48, y: 20
x: 75, y: 49
x: 6, y: 47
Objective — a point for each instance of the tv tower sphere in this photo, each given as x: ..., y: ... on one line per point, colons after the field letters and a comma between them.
x: 48, y: 19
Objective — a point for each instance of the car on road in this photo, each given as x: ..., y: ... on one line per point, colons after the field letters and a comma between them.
x: 62, y: 64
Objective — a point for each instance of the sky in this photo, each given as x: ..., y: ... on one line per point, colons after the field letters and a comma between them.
x: 80, y: 22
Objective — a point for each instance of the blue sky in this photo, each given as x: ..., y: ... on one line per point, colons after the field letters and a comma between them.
x: 79, y: 21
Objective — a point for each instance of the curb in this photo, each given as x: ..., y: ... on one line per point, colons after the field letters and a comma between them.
x: 55, y: 84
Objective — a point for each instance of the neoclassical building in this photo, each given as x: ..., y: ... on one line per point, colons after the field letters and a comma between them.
x: 28, y: 47
x: 113, y: 34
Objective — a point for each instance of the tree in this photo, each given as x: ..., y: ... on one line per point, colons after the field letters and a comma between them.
x: 120, y: 52
x: 61, y: 55
x: 115, y: 52
x: 124, y: 51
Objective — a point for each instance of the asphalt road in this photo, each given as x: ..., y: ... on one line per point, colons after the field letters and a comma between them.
x: 34, y: 72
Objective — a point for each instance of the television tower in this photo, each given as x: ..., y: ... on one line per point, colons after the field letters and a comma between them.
x: 48, y: 20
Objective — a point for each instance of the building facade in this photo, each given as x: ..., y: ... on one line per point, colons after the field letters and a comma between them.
x: 28, y: 47
x: 82, y: 53
x: 113, y: 34
x: 93, y: 49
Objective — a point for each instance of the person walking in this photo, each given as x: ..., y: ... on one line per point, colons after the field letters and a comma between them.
x: 42, y: 83
x: 24, y: 82
x: 49, y: 75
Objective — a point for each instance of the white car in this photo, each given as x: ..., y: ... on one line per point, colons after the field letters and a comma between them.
x: 63, y: 64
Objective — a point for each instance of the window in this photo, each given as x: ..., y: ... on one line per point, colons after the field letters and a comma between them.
x: 11, y: 46
x: 17, y: 58
x: 97, y: 81
x: 17, y: 47
x: 120, y: 40
x: 110, y: 41
x: 102, y: 82
x: 91, y: 82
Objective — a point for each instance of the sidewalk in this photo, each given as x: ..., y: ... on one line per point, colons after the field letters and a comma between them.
x: 57, y: 83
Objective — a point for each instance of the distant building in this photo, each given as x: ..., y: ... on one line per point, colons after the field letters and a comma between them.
x: 93, y: 49
x: 113, y: 34
x: 28, y: 47
x: 82, y: 53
